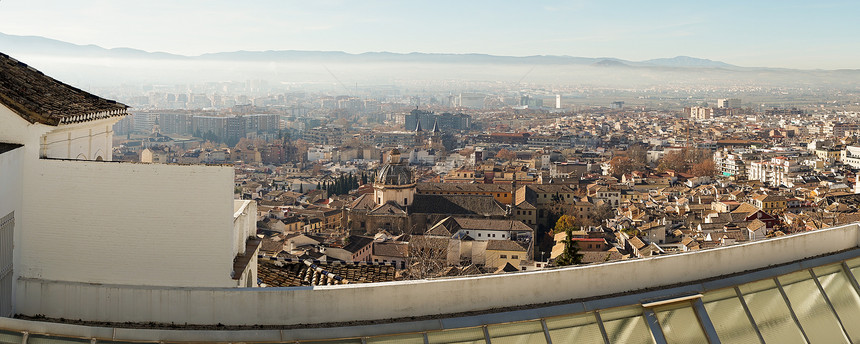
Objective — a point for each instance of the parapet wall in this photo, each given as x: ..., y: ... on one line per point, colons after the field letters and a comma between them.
x: 346, y: 303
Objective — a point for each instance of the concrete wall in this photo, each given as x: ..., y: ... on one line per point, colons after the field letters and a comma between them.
x: 284, y: 306
x: 128, y: 223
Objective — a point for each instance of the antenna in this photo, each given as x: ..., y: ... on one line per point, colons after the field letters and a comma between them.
x: 336, y: 79
x: 525, y: 75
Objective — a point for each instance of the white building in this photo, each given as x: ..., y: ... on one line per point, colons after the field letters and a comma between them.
x: 776, y: 172
x: 422, y: 156
x: 851, y: 156
x: 728, y: 103
x: 471, y: 100
x: 320, y: 153
x: 71, y: 217
x: 730, y: 164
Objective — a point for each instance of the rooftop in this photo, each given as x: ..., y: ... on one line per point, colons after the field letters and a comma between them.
x: 39, y: 98
x: 296, y: 274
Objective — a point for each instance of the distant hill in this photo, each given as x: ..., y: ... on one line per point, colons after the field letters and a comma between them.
x: 686, y: 61
x: 33, y: 45
x: 78, y: 64
x: 610, y: 63
x: 36, y: 45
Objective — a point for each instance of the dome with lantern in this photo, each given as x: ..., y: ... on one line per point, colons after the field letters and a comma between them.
x: 394, y: 172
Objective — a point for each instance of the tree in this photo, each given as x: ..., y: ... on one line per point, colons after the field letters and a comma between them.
x: 428, y: 256
x: 570, y: 255
x: 639, y: 154
x: 564, y: 223
x: 684, y: 159
x: 673, y: 160
x: 621, y: 165
x: 506, y: 155
x: 603, y: 212
x: 704, y: 168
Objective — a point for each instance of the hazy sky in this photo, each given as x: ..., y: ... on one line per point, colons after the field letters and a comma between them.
x: 794, y: 34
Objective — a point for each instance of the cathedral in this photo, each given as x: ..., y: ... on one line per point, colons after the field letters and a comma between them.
x: 395, y: 206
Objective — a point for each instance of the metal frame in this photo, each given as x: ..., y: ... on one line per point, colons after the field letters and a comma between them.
x: 790, y: 309
x: 746, y: 308
x: 829, y: 304
x: 654, y: 325
x: 600, y: 326
x: 705, y: 321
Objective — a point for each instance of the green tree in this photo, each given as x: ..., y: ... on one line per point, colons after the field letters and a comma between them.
x: 570, y: 255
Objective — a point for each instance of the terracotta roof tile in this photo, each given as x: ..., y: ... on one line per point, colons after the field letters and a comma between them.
x: 39, y: 98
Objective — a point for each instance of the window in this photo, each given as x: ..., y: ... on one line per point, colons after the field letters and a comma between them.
x: 503, y: 256
x: 479, y: 235
x: 503, y: 235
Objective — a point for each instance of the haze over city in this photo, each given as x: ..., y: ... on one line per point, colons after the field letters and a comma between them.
x: 786, y: 34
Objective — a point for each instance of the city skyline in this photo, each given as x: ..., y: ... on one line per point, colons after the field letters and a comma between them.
x: 789, y: 34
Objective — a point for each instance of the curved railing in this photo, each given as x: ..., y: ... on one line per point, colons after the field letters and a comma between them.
x: 795, y: 287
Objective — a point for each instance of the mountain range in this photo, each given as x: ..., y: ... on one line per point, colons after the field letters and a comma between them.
x: 37, y: 45
x: 97, y: 66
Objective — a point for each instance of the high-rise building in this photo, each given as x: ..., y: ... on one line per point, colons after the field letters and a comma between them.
x: 728, y: 103
x: 471, y: 100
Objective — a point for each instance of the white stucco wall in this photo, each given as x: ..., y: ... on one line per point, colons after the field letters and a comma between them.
x: 285, y: 306
x: 244, y: 224
x: 128, y: 223
x: 86, y: 141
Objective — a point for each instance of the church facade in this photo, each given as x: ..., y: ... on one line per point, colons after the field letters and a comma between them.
x: 395, y: 206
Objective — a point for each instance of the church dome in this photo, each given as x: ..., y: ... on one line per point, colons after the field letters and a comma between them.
x: 394, y: 174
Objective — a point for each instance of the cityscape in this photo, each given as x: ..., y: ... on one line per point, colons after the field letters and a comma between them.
x: 322, y: 196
